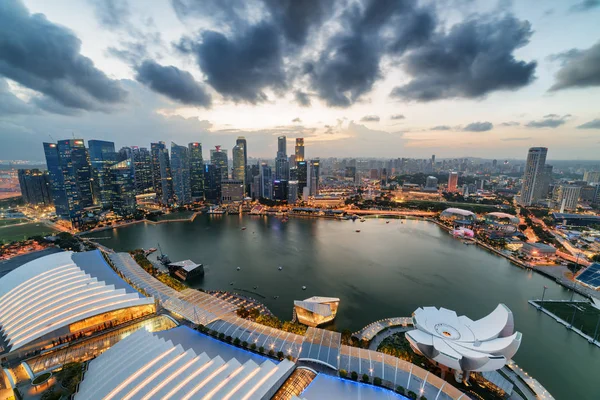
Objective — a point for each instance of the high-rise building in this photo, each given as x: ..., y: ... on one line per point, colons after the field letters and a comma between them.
x: 212, y: 180
x: 241, y: 141
x: 102, y: 156
x: 218, y: 157
x: 292, y: 192
x: 313, y: 174
x: 566, y: 196
x: 302, y: 167
x: 123, y: 181
x: 239, y: 164
x: 232, y: 190
x: 266, y: 181
x: 35, y: 186
x: 196, y: 170
x: 591, y: 176
x: 547, y: 181
x: 299, y: 149
x: 282, y: 146
x: 142, y: 165
x: 180, y: 170
x: 534, y: 177
x: 71, y: 179
x: 452, y: 182
x: 431, y: 184
x: 280, y: 189
x: 161, y: 172
x: 282, y: 164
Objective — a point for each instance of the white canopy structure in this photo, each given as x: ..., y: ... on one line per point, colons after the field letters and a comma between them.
x: 462, y: 344
x: 316, y: 310
x: 145, y: 366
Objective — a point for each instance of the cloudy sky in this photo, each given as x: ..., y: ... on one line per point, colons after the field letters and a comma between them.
x: 383, y: 78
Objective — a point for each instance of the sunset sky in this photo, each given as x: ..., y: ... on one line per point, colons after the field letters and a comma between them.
x: 377, y: 78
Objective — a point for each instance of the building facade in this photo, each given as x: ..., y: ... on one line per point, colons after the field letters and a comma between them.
x: 102, y: 157
x: 218, y: 157
x: 142, y: 166
x: 180, y: 169
x: 123, y: 182
x: 212, y: 188
x: 196, y: 170
x: 299, y: 153
x: 239, y: 163
x: 452, y: 182
x: 232, y: 190
x: 161, y: 172
x: 534, y: 177
x: 35, y: 186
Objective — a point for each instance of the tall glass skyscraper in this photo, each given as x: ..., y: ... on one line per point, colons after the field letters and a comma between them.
x: 282, y: 164
x: 266, y: 181
x: 302, y: 172
x: 242, y: 141
x: 123, y: 187
x: 196, y: 170
x: 313, y: 174
x: 142, y: 165
x: 161, y: 172
x: 299, y: 150
x: 180, y: 169
x: 102, y: 157
x: 212, y: 189
x: 218, y: 157
x: 239, y: 165
x: 35, y: 186
x: 534, y: 177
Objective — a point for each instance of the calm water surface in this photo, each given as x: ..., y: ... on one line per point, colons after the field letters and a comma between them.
x: 386, y: 270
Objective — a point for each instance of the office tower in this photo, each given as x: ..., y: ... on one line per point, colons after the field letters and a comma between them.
x: 299, y: 149
x: 302, y: 167
x: 533, y: 179
x: 239, y: 165
x: 71, y: 179
x: 350, y: 173
x: 546, y: 182
x: 180, y: 170
x: 161, y: 172
x: 280, y: 189
x: 196, y: 170
x: 241, y: 141
x: 212, y: 179
x: 431, y: 183
x: 566, y: 196
x: 125, y: 153
x: 292, y: 192
x: 218, y: 157
x: 232, y: 190
x: 282, y: 146
x: 35, y: 186
x: 142, y: 166
x: 102, y: 156
x: 282, y: 165
x: 433, y: 159
x: 266, y: 181
x: 591, y: 176
x: 452, y: 182
x: 313, y: 173
x: 292, y: 161
x: 294, y: 174
x: 124, y: 188
x: 252, y: 172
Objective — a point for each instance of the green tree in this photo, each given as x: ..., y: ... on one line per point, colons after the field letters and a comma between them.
x: 261, y: 350
x: 412, y: 395
x: 343, y: 373
x: 354, y: 375
x: 221, y: 336
x: 253, y: 346
x: 272, y: 353
x: 377, y: 381
x: 280, y: 355
x: 236, y: 341
x: 400, y: 390
x: 365, y: 378
x: 245, y: 344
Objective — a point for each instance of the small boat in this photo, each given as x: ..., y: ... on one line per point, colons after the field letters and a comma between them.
x: 243, y: 228
x: 255, y: 287
x: 280, y: 268
x: 358, y: 231
x: 362, y: 220
x: 231, y: 283
x: 275, y: 297
x: 238, y: 268
x: 303, y: 287
x: 387, y: 222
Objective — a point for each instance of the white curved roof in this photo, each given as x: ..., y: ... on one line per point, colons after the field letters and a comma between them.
x: 144, y: 366
x: 459, y: 211
x: 463, y: 344
x: 503, y: 215
x: 57, y: 290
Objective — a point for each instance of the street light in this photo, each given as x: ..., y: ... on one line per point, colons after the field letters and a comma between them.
x: 543, y: 294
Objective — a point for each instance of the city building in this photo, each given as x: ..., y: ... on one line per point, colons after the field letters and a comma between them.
x: 196, y: 171
x: 123, y: 182
x: 239, y: 162
x: 316, y: 310
x: 313, y: 177
x: 212, y: 188
x: 218, y: 157
x: 452, y: 182
x: 535, y: 178
x: 302, y: 172
x: 102, y: 157
x: 282, y: 164
x: 591, y: 176
x: 142, y: 166
x: 241, y: 141
x: 180, y: 170
x: 566, y: 197
x: 590, y: 276
x: 70, y: 173
x: 61, y: 297
x: 292, y: 192
x: 299, y: 150
x: 186, y: 270
x: 35, y: 186
x: 461, y: 344
x: 431, y: 184
x: 576, y: 219
x: 161, y: 172
x: 232, y: 190
x: 537, y: 251
x: 265, y: 182
x: 458, y: 215
x: 280, y: 189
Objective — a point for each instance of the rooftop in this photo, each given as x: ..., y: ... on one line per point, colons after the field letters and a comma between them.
x: 187, y: 265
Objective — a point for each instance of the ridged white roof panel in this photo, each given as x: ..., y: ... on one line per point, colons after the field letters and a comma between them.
x: 54, y: 291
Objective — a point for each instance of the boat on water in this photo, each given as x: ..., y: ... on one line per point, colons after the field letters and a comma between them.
x: 358, y: 230
x: 163, y: 258
x: 238, y: 268
x: 243, y: 228
x: 387, y: 222
x: 362, y: 220
x: 303, y: 287
x: 280, y: 268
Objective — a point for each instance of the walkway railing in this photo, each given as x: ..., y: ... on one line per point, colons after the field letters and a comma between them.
x: 370, y: 331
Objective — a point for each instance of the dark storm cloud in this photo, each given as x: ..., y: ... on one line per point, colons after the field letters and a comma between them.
x: 172, y: 82
x: 549, y: 121
x: 478, y: 127
x: 303, y: 99
x: 593, y: 124
x: 111, y: 13
x: 580, y: 68
x: 585, y: 5
x: 370, y: 118
x: 242, y: 67
x: 473, y: 59
x: 397, y: 116
x: 11, y: 104
x: 232, y: 12
x: 441, y: 128
x: 46, y: 57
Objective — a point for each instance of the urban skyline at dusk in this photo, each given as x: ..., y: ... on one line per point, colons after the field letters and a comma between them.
x: 154, y: 77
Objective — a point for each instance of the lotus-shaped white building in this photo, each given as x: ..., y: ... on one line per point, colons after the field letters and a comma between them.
x: 462, y: 344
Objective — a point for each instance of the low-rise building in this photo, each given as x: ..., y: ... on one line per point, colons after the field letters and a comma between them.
x: 538, y: 251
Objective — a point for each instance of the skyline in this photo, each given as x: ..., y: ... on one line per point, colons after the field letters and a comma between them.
x: 174, y: 89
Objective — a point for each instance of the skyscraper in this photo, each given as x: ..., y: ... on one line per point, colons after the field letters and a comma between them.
x: 142, y: 165
x: 102, y: 156
x: 180, y: 170
x: 567, y: 197
x: 196, y: 170
x: 266, y: 181
x: 282, y: 146
x: 313, y: 174
x: 242, y: 141
x: 452, y: 182
x: 57, y: 185
x: 212, y: 188
x: 218, y: 157
x: 591, y: 176
x: 533, y: 179
x: 161, y: 172
x: 299, y: 149
x: 124, y: 188
x: 35, y: 186
x: 282, y: 165
x: 239, y: 165
x: 302, y: 171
